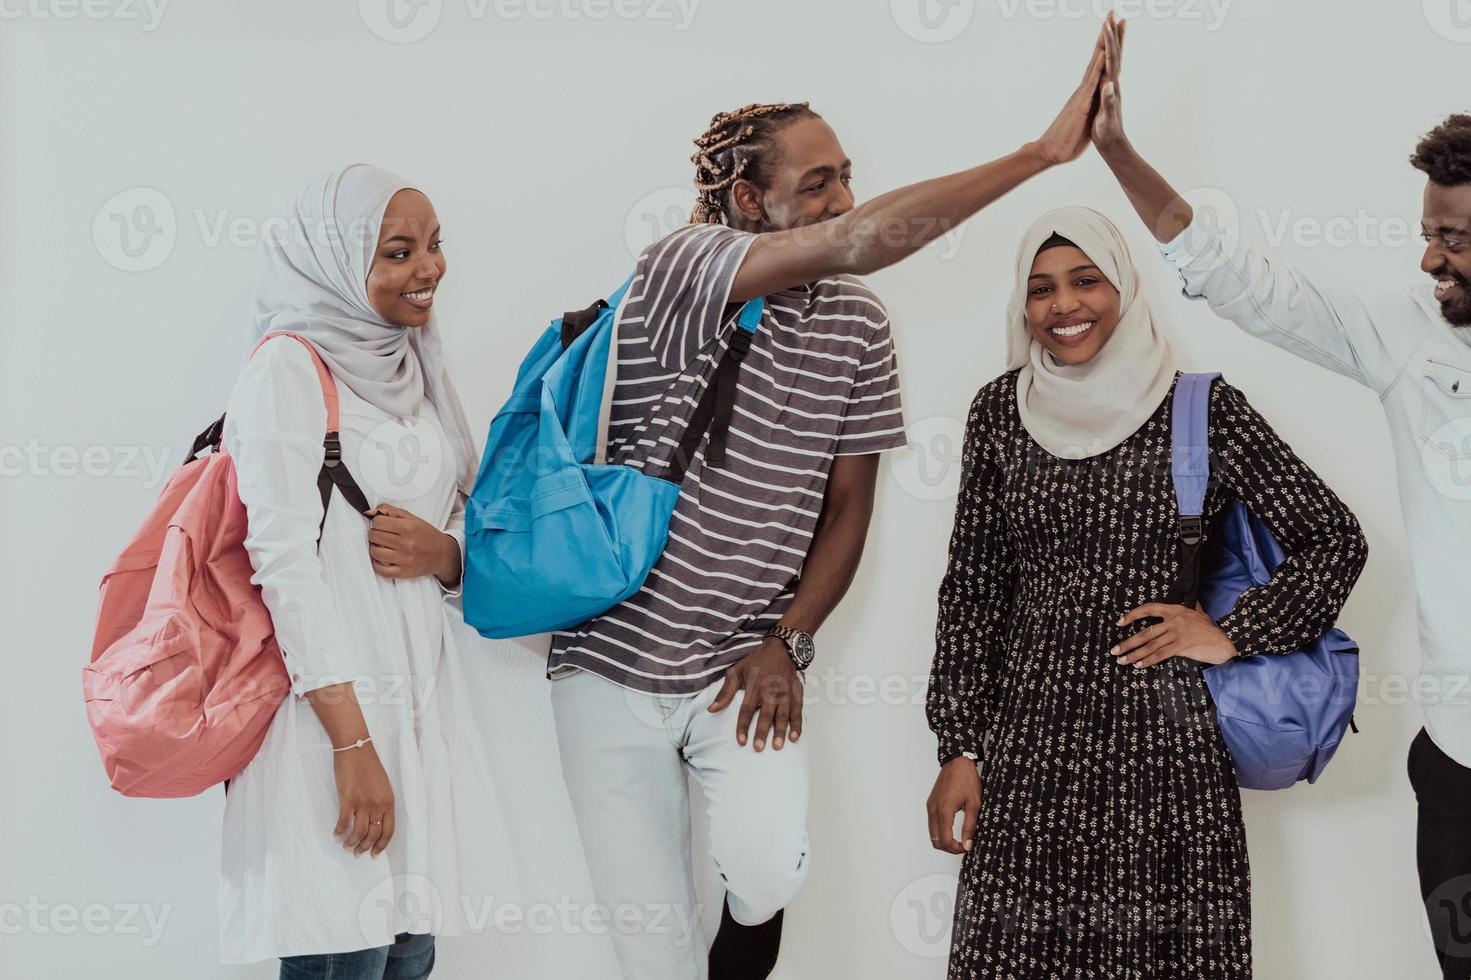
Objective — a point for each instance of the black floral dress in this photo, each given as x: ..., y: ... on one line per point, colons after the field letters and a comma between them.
x: 1109, y: 842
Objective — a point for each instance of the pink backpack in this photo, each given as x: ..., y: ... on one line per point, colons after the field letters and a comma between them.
x: 186, y: 674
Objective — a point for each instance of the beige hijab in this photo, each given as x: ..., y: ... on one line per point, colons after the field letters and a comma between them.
x: 1078, y: 411
x: 313, y: 281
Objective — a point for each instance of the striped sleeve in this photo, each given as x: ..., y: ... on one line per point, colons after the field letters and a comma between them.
x: 680, y: 292
x: 874, y: 418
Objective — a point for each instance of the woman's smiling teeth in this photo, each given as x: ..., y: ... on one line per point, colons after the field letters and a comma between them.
x: 1072, y: 331
x: 422, y: 298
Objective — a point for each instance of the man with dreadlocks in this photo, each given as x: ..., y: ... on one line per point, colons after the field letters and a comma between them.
x: 767, y: 533
x: 1411, y: 346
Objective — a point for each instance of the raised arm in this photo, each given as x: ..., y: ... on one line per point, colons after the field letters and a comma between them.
x: 1363, y: 336
x: 892, y: 226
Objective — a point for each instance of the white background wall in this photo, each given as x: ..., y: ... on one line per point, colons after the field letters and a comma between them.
x: 553, y: 136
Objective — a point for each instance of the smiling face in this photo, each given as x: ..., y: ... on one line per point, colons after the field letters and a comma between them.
x: 1072, y: 308
x: 805, y: 180
x: 407, y: 263
x: 1446, y: 227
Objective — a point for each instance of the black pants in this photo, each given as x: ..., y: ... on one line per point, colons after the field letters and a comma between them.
x: 1443, y: 851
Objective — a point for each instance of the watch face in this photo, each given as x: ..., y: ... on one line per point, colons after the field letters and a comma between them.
x: 804, y: 648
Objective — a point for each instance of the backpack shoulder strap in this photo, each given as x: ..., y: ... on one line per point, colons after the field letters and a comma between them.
x: 324, y: 376
x: 717, y: 404
x: 1190, y: 450
x: 333, y: 472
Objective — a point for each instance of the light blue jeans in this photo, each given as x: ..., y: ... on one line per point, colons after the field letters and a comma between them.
x: 411, y: 957
x: 625, y: 756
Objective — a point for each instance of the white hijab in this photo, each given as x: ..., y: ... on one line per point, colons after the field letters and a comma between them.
x: 1083, y: 410
x: 313, y: 282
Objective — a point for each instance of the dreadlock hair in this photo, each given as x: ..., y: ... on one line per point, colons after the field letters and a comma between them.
x: 737, y: 145
x: 1444, y: 153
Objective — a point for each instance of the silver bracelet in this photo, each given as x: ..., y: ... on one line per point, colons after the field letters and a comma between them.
x: 355, y: 745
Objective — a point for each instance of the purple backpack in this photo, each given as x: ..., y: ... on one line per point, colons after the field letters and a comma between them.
x: 1281, y: 715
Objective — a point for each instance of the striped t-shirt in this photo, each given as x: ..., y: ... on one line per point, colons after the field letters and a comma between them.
x: 820, y: 381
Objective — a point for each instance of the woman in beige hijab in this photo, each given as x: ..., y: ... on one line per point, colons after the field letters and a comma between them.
x: 1108, y: 840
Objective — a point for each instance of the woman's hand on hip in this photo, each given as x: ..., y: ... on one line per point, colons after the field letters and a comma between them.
x: 1180, y: 632
x: 403, y: 545
x: 957, y: 790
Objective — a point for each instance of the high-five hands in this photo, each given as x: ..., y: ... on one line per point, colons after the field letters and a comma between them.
x: 1108, y: 122
x: 1068, y: 136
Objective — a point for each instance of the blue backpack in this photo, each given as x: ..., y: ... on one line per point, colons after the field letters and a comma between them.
x: 553, y: 535
x: 1281, y: 716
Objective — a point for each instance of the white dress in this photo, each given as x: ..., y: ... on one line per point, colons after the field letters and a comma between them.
x: 288, y: 886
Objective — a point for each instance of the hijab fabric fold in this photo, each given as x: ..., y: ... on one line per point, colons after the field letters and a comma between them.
x: 1083, y: 410
x: 313, y: 282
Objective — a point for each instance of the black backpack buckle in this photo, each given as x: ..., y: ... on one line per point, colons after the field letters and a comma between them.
x: 1192, y: 529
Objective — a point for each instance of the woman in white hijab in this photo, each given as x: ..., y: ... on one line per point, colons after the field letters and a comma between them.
x: 1108, y: 841
x: 367, y: 823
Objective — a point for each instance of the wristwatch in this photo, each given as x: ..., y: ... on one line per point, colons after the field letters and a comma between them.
x: 799, y: 645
